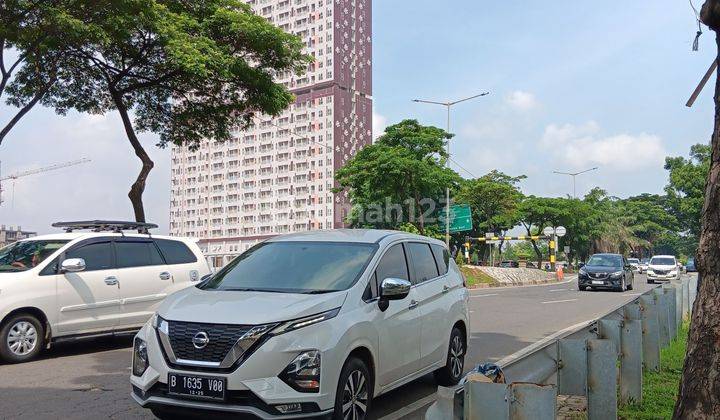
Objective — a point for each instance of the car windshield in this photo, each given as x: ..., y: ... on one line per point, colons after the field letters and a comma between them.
x: 294, y: 267
x: 605, y: 261
x: 662, y: 261
x: 24, y: 255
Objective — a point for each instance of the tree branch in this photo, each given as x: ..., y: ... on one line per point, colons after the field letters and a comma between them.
x: 24, y: 110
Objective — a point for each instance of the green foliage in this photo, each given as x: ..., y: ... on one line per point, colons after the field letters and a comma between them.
x: 686, y: 189
x: 460, y: 259
x: 392, y: 177
x: 494, y: 199
x: 187, y: 71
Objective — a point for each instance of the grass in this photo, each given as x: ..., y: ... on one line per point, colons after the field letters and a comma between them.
x: 476, y: 277
x: 660, y: 388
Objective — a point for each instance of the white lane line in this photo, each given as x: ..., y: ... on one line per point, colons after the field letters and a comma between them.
x: 409, y: 409
x: 491, y: 294
x: 559, y: 290
x: 559, y: 301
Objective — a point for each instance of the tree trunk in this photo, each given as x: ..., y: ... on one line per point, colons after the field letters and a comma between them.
x: 138, y: 187
x: 24, y: 110
x: 421, y: 228
x: 699, y: 395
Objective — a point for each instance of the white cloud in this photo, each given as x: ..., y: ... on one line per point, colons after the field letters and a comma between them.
x: 581, y: 145
x: 379, y: 123
x: 521, y: 100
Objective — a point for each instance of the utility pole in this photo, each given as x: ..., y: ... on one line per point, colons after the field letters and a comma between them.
x: 448, y: 105
x: 574, y: 175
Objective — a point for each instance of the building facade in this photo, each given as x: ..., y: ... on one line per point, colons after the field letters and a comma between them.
x: 277, y: 176
x: 12, y: 234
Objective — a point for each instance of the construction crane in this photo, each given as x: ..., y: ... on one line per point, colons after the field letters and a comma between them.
x: 54, y: 167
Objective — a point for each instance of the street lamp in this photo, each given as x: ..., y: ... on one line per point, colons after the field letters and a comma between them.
x: 573, y: 175
x: 448, y: 105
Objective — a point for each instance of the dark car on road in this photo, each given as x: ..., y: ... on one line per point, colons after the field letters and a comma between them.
x: 690, y: 266
x: 606, y: 271
x: 509, y: 264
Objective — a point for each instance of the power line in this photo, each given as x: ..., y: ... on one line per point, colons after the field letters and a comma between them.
x: 461, y: 167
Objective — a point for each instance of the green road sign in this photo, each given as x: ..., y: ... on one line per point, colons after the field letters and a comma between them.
x: 460, y: 218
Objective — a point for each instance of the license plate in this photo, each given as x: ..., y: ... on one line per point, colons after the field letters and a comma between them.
x: 598, y: 282
x: 205, y: 387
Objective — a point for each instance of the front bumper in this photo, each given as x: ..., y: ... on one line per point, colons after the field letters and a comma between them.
x: 606, y: 283
x: 254, y: 387
x: 239, y: 402
x: 662, y: 277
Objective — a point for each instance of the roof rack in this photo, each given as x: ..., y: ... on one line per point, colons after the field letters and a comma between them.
x: 105, y: 226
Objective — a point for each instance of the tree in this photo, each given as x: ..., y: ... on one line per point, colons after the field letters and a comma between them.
x: 494, y: 199
x: 686, y: 187
x: 187, y: 71
x: 398, y: 179
x: 699, y: 391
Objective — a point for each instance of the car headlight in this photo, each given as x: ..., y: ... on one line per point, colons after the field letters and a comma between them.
x: 582, y: 272
x: 674, y: 272
x: 616, y: 275
x: 305, y: 322
x: 303, y: 373
x: 140, y: 357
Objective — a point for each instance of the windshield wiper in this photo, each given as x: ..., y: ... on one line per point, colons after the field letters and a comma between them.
x: 317, y: 292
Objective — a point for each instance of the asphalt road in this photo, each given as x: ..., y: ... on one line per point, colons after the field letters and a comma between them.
x: 89, y: 380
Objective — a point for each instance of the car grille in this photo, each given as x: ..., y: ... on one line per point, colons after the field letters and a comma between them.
x: 598, y: 275
x: 221, y: 339
x: 661, y: 272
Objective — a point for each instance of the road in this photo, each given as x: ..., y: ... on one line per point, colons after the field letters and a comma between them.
x: 89, y: 380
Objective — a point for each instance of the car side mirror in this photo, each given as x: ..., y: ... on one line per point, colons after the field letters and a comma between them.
x: 72, y: 265
x: 393, y: 289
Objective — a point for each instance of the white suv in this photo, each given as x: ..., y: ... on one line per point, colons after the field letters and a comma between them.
x: 79, y: 284
x: 307, y: 324
x: 662, y: 268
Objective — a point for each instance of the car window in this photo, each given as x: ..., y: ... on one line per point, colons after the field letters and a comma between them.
x: 24, y: 255
x: 137, y: 254
x: 97, y: 256
x: 175, y: 252
x: 605, y: 260
x: 662, y: 261
x: 392, y: 265
x: 423, y: 262
x: 442, y: 258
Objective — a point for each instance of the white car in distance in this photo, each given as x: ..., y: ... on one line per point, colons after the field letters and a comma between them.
x: 82, y: 284
x: 662, y: 268
x: 306, y: 324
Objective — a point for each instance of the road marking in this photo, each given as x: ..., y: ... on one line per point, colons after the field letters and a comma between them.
x: 560, y: 301
x: 491, y: 294
x: 558, y: 290
x: 409, y: 409
x: 631, y: 294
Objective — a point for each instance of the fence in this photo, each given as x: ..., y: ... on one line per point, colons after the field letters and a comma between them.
x: 592, y: 359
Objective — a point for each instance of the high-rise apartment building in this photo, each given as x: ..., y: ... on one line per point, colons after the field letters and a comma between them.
x: 277, y: 176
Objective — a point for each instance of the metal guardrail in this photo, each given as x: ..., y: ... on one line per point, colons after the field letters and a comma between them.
x: 602, y: 360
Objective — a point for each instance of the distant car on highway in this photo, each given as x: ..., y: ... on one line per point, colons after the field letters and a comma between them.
x: 509, y: 264
x: 663, y: 268
x: 606, y: 271
x: 690, y: 266
x: 642, y: 267
x: 67, y: 286
x: 634, y: 264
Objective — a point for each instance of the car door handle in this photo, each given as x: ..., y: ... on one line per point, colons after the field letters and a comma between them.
x: 413, y: 304
x: 446, y: 288
x: 111, y: 281
x: 165, y: 275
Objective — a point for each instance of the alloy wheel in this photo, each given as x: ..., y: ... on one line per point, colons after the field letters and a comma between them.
x: 456, y: 356
x: 355, y: 396
x: 22, y: 338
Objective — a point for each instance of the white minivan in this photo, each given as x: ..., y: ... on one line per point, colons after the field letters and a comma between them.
x: 306, y: 324
x: 663, y: 268
x: 74, y: 285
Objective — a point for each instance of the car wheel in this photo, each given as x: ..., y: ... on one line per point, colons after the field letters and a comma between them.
x: 622, y: 286
x: 582, y: 288
x: 22, y: 338
x: 632, y: 281
x: 354, y: 391
x: 451, y: 373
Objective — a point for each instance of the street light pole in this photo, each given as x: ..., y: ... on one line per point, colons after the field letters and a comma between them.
x: 449, y: 105
x: 574, y: 175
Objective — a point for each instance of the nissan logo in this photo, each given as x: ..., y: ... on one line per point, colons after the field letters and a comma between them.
x: 200, y: 340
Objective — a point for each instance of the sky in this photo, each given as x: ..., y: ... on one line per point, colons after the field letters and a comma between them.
x: 571, y: 87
